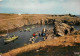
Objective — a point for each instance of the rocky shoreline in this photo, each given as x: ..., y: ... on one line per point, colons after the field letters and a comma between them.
x: 61, y: 42
x: 62, y: 35
x: 13, y: 21
x: 61, y: 30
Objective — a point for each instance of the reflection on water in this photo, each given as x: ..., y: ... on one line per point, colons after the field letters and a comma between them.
x: 24, y: 37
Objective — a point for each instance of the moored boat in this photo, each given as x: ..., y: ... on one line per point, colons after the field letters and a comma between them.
x: 3, y: 35
x: 10, y: 39
x: 33, y: 27
x: 28, y: 29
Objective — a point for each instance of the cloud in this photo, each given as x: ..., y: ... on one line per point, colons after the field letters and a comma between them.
x: 71, y: 6
x: 30, y: 5
x: 41, y: 6
x: 1, y: 0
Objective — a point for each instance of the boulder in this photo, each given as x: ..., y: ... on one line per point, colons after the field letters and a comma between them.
x: 77, y: 32
x: 61, y: 29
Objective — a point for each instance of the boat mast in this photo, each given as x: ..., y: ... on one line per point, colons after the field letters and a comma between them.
x: 7, y: 33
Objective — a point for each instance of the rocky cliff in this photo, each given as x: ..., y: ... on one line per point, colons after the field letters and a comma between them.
x: 13, y: 21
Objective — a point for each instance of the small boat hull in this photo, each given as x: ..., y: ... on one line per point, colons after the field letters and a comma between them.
x: 10, y: 39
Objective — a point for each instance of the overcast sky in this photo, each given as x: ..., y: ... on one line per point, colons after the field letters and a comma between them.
x: 40, y: 6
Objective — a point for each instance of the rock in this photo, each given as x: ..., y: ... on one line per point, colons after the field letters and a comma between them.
x: 77, y: 32
x: 49, y: 31
x: 50, y: 37
x: 55, y: 37
x: 61, y: 29
x: 49, y: 34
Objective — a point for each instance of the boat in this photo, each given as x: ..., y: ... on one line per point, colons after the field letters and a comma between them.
x: 10, y: 39
x: 3, y: 35
x: 33, y: 27
x: 28, y: 29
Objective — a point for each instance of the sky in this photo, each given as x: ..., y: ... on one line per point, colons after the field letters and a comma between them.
x: 40, y: 6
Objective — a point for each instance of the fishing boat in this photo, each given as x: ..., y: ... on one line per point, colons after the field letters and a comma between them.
x: 10, y: 39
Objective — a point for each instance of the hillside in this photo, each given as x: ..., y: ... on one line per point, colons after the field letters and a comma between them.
x: 70, y: 41
x: 13, y: 21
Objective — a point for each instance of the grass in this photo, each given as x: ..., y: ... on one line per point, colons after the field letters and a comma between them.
x: 52, y: 51
x: 12, y: 21
x: 54, y: 42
